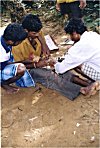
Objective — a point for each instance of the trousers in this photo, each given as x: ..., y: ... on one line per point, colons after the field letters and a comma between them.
x: 61, y: 83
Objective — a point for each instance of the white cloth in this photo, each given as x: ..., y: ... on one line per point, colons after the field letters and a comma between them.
x: 3, y: 55
x: 86, y: 50
x: 2, y: 29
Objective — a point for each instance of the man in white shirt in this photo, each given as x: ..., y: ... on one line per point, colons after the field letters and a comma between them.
x: 84, y: 55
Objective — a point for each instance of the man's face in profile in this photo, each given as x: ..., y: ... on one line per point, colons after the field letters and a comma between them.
x: 75, y: 37
x: 12, y: 43
x: 33, y: 34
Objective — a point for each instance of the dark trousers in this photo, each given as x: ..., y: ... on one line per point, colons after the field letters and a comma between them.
x: 72, y: 9
x: 61, y: 83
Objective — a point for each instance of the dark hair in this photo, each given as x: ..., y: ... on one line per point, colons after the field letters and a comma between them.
x: 32, y: 23
x: 14, y: 32
x: 75, y: 25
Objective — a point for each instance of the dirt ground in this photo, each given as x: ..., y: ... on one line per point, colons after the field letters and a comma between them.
x: 48, y: 119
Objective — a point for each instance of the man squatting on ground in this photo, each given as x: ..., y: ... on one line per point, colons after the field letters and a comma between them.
x: 11, y: 71
x: 84, y: 55
x: 63, y: 83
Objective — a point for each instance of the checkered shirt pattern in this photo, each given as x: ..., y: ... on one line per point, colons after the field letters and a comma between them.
x: 90, y: 72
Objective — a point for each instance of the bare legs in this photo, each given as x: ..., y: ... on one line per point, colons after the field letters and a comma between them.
x: 78, y: 70
x: 6, y: 84
x: 91, y: 89
x: 80, y: 81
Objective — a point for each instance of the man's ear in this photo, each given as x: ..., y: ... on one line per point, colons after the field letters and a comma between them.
x: 76, y: 36
x: 9, y: 42
x: 74, y: 33
x: 26, y: 30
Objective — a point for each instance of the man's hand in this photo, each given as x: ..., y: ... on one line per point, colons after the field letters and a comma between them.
x: 46, y: 53
x: 57, y: 6
x: 45, y: 62
x: 45, y: 49
x: 41, y: 63
x: 51, y: 64
x: 82, y: 4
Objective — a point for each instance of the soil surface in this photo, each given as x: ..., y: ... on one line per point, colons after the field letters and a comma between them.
x: 45, y: 118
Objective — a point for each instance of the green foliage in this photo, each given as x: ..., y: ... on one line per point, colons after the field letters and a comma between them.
x: 47, y: 10
x: 91, y: 16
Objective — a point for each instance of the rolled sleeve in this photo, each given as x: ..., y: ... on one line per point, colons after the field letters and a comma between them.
x: 60, y: 67
x: 68, y: 63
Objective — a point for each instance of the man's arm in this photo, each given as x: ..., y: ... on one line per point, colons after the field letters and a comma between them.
x: 82, y: 4
x: 41, y: 63
x: 25, y: 62
x: 57, y: 6
x: 45, y: 49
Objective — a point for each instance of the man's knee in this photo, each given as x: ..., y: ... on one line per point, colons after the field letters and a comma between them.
x: 21, y: 68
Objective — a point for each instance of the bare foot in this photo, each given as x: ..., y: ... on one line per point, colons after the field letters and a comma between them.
x: 10, y: 89
x: 36, y: 89
x: 14, y: 87
x: 91, y: 89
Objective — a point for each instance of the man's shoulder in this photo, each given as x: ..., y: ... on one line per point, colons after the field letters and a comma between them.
x: 41, y: 33
x: 21, y: 45
x: 24, y: 41
x: 90, y: 35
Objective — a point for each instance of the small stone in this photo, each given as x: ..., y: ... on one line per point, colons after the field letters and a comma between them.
x: 77, y: 124
x: 92, y: 139
x: 74, y: 132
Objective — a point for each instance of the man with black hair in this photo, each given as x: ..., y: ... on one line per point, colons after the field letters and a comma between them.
x: 35, y: 44
x: 84, y: 55
x: 12, y: 71
x: 65, y: 84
